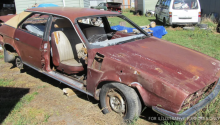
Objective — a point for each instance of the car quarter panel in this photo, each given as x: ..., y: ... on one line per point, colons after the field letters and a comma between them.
x: 8, y: 35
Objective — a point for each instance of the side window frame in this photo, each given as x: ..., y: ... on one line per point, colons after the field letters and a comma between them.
x: 18, y: 27
x: 100, y: 5
x: 164, y: 3
x: 158, y: 3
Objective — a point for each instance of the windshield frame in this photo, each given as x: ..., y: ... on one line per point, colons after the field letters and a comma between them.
x: 90, y: 46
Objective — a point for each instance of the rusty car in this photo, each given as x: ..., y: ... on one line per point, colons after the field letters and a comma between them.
x: 125, y: 71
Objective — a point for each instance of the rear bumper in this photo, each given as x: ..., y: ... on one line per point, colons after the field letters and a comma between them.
x: 191, y: 111
x: 184, y: 23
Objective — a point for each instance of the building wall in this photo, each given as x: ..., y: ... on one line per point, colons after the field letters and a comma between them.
x: 21, y: 5
x: 144, y: 5
x: 125, y: 3
x: 86, y: 3
x: 209, y: 6
x: 150, y: 4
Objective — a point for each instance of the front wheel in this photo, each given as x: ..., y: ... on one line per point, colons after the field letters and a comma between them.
x: 120, y: 99
x: 18, y: 62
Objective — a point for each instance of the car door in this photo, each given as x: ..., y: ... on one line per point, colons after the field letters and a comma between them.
x: 28, y: 38
x: 158, y: 9
x: 165, y: 11
x: 162, y: 12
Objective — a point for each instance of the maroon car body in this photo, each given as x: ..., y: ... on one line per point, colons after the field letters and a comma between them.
x: 167, y: 76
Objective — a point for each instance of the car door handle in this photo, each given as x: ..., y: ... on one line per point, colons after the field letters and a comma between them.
x: 17, y: 39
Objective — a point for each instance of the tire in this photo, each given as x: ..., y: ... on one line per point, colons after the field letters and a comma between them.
x: 164, y: 22
x: 128, y: 103
x: 157, y: 18
x: 203, y: 26
x: 18, y: 62
x: 189, y: 28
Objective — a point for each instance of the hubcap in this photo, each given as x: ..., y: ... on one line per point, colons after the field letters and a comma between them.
x: 18, y: 63
x: 117, y: 103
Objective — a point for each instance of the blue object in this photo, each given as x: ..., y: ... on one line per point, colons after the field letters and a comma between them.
x: 120, y: 28
x: 47, y: 5
x: 158, y: 31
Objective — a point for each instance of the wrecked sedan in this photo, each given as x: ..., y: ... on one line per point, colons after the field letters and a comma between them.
x: 125, y: 71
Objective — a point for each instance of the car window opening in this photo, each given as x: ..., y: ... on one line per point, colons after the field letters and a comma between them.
x: 107, y: 31
x: 67, y: 51
x: 185, y: 4
x: 35, y: 24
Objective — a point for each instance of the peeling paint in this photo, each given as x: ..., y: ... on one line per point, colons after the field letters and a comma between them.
x: 159, y: 70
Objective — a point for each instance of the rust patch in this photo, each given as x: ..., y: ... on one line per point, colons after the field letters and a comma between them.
x: 136, y: 72
x: 159, y: 70
x: 218, y: 74
x: 194, y: 69
x: 144, y: 47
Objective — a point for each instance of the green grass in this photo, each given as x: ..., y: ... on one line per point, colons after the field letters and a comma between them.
x: 5, y: 82
x: 15, y: 116
x: 205, y: 41
x: 140, y: 20
x: 1, y: 55
x: 12, y: 109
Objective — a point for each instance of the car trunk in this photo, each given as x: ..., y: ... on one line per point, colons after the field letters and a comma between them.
x: 185, y: 15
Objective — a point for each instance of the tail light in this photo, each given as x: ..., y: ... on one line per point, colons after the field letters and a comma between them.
x: 199, y: 14
x: 170, y: 13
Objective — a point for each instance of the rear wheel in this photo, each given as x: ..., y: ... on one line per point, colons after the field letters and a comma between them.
x: 164, y: 22
x: 157, y: 18
x: 120, y: 99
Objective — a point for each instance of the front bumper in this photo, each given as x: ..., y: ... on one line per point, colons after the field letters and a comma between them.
x: 191, y: 111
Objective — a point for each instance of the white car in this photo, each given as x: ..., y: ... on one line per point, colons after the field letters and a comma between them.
x: 178, y: 12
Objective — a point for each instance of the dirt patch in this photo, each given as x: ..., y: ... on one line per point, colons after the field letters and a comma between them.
x: 51, y: 106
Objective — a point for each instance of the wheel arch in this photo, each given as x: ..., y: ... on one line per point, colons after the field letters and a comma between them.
x: 132, y: 85
x: 9, y: 53
x: 9, y: 48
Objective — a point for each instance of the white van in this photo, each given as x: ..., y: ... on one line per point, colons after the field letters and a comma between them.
x: 178, y: 12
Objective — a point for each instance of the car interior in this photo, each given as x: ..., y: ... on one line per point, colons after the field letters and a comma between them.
x: 65, y: 46
x: 98, y: 29
x: 68, y: 54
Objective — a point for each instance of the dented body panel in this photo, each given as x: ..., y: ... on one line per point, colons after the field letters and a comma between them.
x: 166, y: 78
x: 165, y: 74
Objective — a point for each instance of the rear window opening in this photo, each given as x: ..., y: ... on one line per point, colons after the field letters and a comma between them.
x: 185, y: 4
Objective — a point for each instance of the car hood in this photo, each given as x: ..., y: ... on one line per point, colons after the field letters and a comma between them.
x: 170, y: 63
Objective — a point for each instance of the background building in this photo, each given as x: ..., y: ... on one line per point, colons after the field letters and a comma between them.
x: 21, y: 5
x: 209, y: 6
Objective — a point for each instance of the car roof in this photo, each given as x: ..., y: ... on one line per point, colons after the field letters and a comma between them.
x: 71, y: 12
